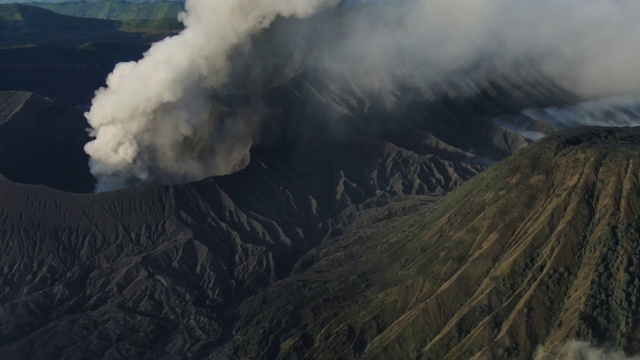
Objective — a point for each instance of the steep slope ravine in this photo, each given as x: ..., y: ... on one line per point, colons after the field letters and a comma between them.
x: 539, y: 250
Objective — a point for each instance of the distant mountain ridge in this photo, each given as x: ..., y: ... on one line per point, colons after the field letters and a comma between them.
x: 115, y: 10
x: 67, y: 58
x: 22, y: 25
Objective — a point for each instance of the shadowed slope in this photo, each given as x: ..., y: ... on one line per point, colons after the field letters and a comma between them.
x: 67, y: 58
x: 159, y: 270
x: 42, y: 142
x: 541, y: 249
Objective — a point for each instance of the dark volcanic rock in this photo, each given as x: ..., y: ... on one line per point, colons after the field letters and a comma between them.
x: 154, y: 271
x: 88, y: 274
x: 42, y: 143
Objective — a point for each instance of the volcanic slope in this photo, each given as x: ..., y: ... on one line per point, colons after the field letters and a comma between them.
x: 160, y: 270
x: 539, y: 250
x: 87, y: 275
x: 41, y: 142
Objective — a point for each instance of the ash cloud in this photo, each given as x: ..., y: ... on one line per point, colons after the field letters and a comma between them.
x: 588, y: 46
x: 157, y: 120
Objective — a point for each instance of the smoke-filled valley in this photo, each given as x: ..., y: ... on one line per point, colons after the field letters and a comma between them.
x: 321, y: 179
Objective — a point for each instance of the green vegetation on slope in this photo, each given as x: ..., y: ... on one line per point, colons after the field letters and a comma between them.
x: 166, y: 24
x: 542, y: 249
x: 29, y: 25
x: 116, y: 10
x: 41, y: 19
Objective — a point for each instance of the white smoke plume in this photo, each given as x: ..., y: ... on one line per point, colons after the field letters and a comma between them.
x: 156, y: 121
x: 580, y: 350
x: 153, y: 122
x: 611, y: 112
x: 618, y: 111
x: 589, y: 46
